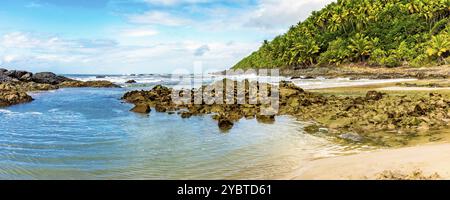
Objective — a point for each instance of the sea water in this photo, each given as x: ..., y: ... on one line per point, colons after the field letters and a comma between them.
x: 89, y: 133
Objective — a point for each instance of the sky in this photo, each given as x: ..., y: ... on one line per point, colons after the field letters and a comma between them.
x: 140, y: 36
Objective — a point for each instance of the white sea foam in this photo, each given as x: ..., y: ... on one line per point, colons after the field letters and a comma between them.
x: 3, y: 111
x: 122, y: 79
x: 317, y: 83
x: 8, y: 112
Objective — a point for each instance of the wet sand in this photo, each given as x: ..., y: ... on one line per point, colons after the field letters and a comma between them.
x: 414, y: 88
x: 419, y: 162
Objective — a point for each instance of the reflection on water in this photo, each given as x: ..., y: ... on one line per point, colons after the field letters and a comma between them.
x: 90, y: 134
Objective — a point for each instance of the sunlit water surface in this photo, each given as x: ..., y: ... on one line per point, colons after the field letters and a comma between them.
x: 86, y: 133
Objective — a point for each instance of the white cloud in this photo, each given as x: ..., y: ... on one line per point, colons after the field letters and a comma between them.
x: 275, y: 13
x: 9, y: 58
x: 158, y: 18
x: 144, y: 44
x: 202, y: 50
x: 140, y: 32
x: 33, y: 5
x: 29, y: 51
x: 174, y: 2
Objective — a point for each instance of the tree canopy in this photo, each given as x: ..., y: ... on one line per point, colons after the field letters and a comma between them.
x: 377, y: 32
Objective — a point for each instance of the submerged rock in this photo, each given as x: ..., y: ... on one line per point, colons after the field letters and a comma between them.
x: 185, y: 115
x: 351, y: 137
x: 131, y: 81
x: 141, y: 108
x: 311, y: 129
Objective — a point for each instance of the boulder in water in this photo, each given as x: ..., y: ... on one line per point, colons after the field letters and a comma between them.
x: 225, y: 124
x: 266, y: 119
x: 141, y: 108
x: 10, y: 97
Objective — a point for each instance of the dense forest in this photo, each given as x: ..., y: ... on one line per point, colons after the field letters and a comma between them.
x: 372, y: 32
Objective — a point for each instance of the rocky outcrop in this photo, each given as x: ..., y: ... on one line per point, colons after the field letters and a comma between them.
x: 9, y: 97
x: 131, y: 81
x: 49, y: 78
x: 356, y: 119
x: 141, y: 108
x: 27, y: 87
x: 225, y: 123
x: 6, y: 78
x: 96, y: 84
x: 15, y: 83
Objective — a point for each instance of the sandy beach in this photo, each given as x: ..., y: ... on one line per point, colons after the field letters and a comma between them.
x: 431, y: 161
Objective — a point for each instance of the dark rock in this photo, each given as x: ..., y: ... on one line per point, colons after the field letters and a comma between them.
x: 419, y: 111
x: 49, y: 78
x: 26, y: 77
x: 101, y: 76
x: 225, y: 124
x: 131, y: 81
x: 267, y: 119
x: 17, y: 74
x: 160, y: 108
x: 5, y: 78
x: 3, y: 70
x: 141, y: 108
x: 186, y: 115
x: 374, y: 95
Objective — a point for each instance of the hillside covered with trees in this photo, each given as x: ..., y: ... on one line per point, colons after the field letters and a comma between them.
x: 374, y: 32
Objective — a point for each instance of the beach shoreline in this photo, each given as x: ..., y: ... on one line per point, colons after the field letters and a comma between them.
x: 426, y: 161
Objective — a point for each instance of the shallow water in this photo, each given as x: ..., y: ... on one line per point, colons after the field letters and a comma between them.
x: 86, y: 133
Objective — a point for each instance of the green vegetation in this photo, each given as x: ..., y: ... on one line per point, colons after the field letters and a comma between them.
x: 375, y: 32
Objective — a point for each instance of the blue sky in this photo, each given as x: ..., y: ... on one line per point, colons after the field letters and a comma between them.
x: 140, y: 36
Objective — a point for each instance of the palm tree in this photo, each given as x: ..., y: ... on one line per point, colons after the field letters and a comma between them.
x: 439, y: 46
x: 304, y: 52
x: 361, y: 46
